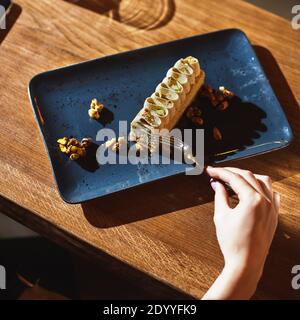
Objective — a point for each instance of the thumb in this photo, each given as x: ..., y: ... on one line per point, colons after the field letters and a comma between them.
x: 221, y: 197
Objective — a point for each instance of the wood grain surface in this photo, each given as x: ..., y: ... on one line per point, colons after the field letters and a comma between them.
x: 167, y: 235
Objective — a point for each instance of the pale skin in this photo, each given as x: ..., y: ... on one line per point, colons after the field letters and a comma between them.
x: 245, y: 232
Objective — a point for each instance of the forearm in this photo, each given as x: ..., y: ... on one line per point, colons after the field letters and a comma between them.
x: 234, y: 283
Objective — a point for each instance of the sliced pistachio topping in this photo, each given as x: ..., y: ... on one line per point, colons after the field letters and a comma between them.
x: 173, y: 84
x: 194, y: 63
x: 185, y: 81
x: 73, y: 148
x: 160, y: 111
x: 184, y: 67
x: 150, y: 118
x: 191, y: 60
x: 164, y: 92
x: 63, y: 141
x: 161, y: 101
x: 177, y: 75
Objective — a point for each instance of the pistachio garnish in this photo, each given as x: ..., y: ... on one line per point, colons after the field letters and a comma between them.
x: 73, y: 148
x: 115, y: 145
x: 150, y: 118
x: 95, y: 109
x: 62, y: 141
x: 173, y: 84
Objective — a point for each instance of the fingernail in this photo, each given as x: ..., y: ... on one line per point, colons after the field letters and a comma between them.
x: 209, y: 167
x: 213, y: 184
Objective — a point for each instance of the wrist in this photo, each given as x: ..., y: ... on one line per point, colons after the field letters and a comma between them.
x: 245, y: 268
x: 241, y: 280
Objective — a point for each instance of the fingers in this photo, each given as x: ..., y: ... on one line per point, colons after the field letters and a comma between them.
x: 221, y: 197
x: 243, y: 182
x: 266, y: 183
x: 239, y: 185
x: 252, y: 179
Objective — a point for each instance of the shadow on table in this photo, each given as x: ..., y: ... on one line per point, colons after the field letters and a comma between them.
x: 163, y: 196
x: 276, y: 282
x: 146, y: 14
x: 234, y: 139
x: 11, y: 18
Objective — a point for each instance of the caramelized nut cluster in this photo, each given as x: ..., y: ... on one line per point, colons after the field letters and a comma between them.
x: 194, y: 114
x: 218, y: 98
x: 73, y: 148
x: 95, y: 109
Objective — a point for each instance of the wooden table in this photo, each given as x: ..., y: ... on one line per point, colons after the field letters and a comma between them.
x: 171, y: 247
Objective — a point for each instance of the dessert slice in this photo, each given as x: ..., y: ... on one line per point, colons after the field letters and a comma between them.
x: 171, y: 98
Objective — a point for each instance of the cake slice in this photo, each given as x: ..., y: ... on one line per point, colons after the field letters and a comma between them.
x: 171, y: 97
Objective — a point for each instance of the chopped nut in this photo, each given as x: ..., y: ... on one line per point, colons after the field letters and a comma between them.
x: 81, y: 152
x: 73, y: 147
x: 95, y: 108
x: 190, y: 113
x: 110, y: 143
x: 119, y: 145
x: 115, y: 147
x: 73, y: 142
x: 209, y: 89
x: 63, y: 148
x: 122, y: 140
x: 193, y: 112
x: 85, y: 142
x: 94, y: 114
x: 68, y: 150
x: 217, y: 134
x: 74, y: 156
x: 63, y: 141
x: 223, y: 105
x: 218, y: 98
x: 226, y: 92
x: 214, y: 101
x: 95, y: 104
x: 198, y: 121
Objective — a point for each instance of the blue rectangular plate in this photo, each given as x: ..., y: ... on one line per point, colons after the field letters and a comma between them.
x: 254, y: 123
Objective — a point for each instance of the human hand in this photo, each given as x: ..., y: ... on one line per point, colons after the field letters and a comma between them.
x: 244, y: 232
